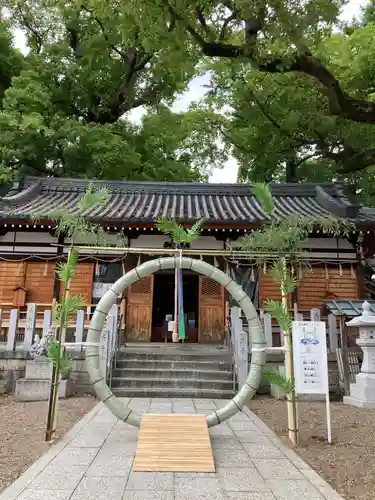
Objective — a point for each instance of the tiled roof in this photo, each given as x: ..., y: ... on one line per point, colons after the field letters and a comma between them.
x: 143, y: 202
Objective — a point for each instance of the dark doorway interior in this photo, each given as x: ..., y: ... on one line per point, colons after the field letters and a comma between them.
x: 163, y: 305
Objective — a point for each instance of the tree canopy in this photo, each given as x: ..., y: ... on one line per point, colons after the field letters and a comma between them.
x: 292, y: 91
x: 66, y: 103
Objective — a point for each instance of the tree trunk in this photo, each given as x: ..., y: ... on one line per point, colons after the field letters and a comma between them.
x: 291, y: 169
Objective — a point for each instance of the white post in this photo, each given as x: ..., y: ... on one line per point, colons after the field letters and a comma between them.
x: 80, y: 326
x: 332, y: 331
x: 29, y: 327
x: 12, y: 330
x: 47, y: 321
x: 329, y: 424
x: 267, y: 326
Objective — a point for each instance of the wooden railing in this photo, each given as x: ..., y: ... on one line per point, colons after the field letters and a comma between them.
x: 19, y: 326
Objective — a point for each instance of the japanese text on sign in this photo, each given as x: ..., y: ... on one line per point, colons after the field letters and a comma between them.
x: 310, y: 357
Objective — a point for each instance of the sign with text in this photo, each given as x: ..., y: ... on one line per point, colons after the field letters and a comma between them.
x: 310, y: 357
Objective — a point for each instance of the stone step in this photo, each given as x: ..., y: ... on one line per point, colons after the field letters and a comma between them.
x: 173, y: 383
x: 162, y: 364
x: 178, y: 356
x: 172, y: 393
x: 186, y: 373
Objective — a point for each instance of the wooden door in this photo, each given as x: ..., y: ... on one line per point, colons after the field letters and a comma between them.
x: 211, y: 311
x: 139, y: 310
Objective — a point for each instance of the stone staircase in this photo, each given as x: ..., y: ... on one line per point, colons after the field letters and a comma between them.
x: 173, y: 371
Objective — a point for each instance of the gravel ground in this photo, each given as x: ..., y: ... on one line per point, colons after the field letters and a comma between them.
x: 348, y: 464
x: 22, y: 427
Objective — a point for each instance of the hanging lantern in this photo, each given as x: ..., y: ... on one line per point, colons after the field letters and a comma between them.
x: 340, y: 270
x: 45, y: 271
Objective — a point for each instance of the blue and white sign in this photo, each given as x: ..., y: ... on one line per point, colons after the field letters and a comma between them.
x: 310, y: 357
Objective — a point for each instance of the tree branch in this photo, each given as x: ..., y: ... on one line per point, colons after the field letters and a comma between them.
x: 226, y: 22
x: 357, y: 162
x: 104, y: 33
x: 196, y: 36
x: 37, y: 36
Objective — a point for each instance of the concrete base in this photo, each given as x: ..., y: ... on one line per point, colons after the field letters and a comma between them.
x: 349, y: 400
x: 38, y: 390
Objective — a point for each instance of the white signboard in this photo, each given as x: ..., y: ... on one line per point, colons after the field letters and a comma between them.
x: 310, y: 357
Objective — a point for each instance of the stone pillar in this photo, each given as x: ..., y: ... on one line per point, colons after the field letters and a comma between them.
x: 362, y: 392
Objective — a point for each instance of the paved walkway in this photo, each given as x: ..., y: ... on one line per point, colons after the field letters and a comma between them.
x: 94, y: 461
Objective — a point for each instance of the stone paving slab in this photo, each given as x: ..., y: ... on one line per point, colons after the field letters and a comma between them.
x: 94, y: 462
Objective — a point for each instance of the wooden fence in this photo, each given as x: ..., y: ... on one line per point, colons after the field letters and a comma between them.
x: 18, y: 327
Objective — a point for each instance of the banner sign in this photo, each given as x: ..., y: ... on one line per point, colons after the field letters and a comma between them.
x: 310, y: 357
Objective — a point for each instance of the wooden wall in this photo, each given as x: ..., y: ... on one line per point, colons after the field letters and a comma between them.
x: 324, y: 284
x: 39, y: 282
x: 82, y: 283
x: 36, y: 277
x: 314, y: 287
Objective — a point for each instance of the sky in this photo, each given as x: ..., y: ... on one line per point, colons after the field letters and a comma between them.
x: 197, y: 89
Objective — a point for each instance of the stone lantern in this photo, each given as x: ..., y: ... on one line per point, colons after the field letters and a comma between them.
x: 362, y: 392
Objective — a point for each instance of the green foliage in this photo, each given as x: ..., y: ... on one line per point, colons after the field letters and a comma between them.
x: 178, y: 234
x: 63, y: 361
x: 273, y: 376
x: 276, y: 310
x: 69, y: 108
x: 288, y: 235
x: 65, y: 310
x: 264, y: 196
x: 281, y: 274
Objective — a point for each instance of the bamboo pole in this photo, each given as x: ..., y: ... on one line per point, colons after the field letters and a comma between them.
x: 55, y: 382
x: 175, y: 323
x: 177, y: 251
x: 291, y: 399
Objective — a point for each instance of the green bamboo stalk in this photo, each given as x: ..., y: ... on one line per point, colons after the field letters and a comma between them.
x: 291, y: 399
x: 55, y: 383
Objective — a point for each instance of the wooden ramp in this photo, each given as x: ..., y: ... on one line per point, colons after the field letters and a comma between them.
x: 174, y: 443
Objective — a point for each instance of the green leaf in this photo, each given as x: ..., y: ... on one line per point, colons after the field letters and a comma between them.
x: 178, y: 234
x: 65, y: 311
x: 273, y: 376
x: 277, y: 311
x: 264, y: 196
x: 54, y: 353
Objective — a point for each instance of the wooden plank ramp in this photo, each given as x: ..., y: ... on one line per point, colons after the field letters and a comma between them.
x: 173, y: 443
